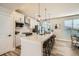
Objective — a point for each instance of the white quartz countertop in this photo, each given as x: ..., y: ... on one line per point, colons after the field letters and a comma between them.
x: 37, y: 37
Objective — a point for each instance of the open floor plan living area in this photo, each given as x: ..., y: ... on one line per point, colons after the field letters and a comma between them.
x: 39, y: 29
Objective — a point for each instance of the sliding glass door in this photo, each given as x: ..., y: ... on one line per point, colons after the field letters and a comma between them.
x: 71, y: 28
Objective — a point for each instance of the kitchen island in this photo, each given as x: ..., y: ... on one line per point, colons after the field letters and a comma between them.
x: 37, y: 45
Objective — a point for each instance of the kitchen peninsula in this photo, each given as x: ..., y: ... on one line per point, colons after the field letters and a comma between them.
x: 37, y: 45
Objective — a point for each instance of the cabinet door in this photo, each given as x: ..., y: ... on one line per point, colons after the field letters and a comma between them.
x: 19, y: 17
x: 6, y: 33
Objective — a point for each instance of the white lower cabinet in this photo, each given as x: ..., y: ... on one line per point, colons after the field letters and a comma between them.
x: 17, y: 40
x: 30, y: 48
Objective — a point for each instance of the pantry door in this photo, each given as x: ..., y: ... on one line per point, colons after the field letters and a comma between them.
x: 6, y: 33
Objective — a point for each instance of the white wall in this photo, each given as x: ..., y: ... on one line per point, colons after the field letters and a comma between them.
x: 59, y: 30
x: 4, y: 10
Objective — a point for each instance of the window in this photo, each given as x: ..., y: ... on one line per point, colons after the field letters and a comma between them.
x: 71, y: 27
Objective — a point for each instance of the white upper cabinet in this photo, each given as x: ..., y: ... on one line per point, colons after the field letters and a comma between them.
x: 19, y: 17
x: 33, y: 22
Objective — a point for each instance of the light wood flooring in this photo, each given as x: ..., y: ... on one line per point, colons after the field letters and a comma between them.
x: 64, y: 48
x: 61, y: 48
x: 17, y: 52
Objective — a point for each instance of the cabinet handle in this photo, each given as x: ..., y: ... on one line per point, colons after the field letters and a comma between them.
x: 9, y: 35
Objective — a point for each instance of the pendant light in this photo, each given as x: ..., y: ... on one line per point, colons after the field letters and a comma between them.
x: 45, y: 13
x: 39, y: 16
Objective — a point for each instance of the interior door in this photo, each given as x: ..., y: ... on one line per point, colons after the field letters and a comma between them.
x: 6, y: 33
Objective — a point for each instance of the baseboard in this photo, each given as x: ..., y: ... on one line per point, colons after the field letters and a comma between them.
x: 62, y: 39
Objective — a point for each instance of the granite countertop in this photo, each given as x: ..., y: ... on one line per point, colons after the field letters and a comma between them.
x: 37, y: 37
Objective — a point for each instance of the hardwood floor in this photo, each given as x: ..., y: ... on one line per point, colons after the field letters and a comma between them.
x: 64, y: 48
x: 17, y: 52
x: 61, y: 48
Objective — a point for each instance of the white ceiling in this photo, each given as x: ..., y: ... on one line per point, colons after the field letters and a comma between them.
x: 53, y: 9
